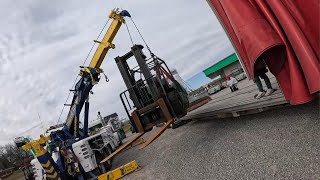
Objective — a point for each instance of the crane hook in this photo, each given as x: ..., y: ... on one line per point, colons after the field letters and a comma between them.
x: 106, y: 77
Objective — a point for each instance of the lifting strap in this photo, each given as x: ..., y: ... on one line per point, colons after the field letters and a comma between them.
x: 163, y: 70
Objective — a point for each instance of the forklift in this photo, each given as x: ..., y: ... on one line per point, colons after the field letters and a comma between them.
x: 153, y: 97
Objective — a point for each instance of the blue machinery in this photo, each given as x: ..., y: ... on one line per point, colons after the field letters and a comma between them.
x: 154, y: 98
x: 68, y: 166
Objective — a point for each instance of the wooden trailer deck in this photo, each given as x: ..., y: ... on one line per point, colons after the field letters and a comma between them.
x: 232, y: 104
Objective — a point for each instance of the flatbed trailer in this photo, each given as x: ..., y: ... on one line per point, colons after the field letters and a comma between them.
x: 233, y: 104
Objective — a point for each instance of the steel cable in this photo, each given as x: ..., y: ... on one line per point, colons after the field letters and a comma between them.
x: 74, y: 83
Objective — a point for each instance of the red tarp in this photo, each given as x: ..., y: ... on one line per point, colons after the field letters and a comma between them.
x: 286, y: 32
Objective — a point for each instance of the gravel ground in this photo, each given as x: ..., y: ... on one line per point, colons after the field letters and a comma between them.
x: 277, y: 144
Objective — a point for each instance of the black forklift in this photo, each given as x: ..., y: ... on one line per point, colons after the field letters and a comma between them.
x: 153, y: 96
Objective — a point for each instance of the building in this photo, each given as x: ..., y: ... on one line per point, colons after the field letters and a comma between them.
x: 230, y: 65
x: 227, y: 66
x: 217, y: 73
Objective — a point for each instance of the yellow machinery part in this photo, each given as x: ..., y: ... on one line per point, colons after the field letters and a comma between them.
x: 120, y: 171
x: 106, y: 42
x: 104, y: 45
x: 37, y: 145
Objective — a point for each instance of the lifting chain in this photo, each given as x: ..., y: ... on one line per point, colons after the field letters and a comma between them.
x: 151, y: 53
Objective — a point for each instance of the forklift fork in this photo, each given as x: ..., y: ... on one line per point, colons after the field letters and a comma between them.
x: 168, y: 120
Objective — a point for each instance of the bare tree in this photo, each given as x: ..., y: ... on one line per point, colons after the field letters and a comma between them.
x: 11, y: 156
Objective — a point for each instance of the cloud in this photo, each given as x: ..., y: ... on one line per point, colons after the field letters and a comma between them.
x: 42, y: 44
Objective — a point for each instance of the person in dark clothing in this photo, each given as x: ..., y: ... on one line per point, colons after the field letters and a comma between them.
x: 260, y: 72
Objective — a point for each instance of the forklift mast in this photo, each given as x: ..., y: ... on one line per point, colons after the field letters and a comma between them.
x: 154, y: 81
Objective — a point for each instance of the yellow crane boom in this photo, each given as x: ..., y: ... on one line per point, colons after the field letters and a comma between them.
x: 104, y: 45
x: 106, y: 42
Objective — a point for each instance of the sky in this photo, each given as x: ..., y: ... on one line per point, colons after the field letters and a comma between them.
x: 42, y: 44
x: 198, y: 80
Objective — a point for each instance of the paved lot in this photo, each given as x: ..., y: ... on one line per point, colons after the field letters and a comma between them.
x: 281, y: 143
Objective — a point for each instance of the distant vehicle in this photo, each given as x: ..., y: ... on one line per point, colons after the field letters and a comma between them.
x: 111, y: 120
x: 241, y: 76
x: 214, y: 89
x: 95, y: 126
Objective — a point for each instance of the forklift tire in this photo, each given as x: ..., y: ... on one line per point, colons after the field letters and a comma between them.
x: 178, y: 124
x: 179, y: 108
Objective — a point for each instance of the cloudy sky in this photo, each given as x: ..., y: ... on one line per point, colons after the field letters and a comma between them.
x: 42, y: 44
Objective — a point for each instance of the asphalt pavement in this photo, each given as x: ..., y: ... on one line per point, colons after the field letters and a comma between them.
x: 282, y: 143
